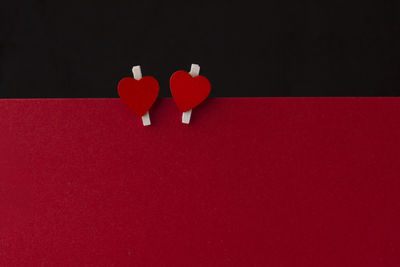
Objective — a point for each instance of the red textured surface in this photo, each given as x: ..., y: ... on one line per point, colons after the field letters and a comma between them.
x: 138, y: 95
x: 187, y: 91
x: 250, y: 182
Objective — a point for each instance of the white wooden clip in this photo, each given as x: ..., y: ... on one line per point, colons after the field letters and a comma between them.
x: 194, y: 71
x: 137, y: 75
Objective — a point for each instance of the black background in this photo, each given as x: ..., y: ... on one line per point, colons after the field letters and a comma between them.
x: 266, y: 48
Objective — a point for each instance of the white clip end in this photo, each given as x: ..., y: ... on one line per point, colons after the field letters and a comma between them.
x: 137, y: 72
x: 186, y: 116
x: 194, y: 70
x: 146, y: 119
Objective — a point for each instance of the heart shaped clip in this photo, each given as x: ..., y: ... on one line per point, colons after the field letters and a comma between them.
x: 139, y: 93
x: 189, y: 90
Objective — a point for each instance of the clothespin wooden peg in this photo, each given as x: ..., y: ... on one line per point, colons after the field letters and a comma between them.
x: 194, y: 71
x: 137, y: 75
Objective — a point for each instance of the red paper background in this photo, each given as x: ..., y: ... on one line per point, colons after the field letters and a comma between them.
x: 250, y: 182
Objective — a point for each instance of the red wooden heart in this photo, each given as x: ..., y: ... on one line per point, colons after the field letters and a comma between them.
x: 138, y: 95
x: 188, y: 91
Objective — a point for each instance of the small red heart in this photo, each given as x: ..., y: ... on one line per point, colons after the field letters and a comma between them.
x: 138, y: 95
x: 188, y: 91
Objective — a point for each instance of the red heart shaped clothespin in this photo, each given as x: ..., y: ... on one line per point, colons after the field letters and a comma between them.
x: 139, y: 94
x: 189, y: 90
